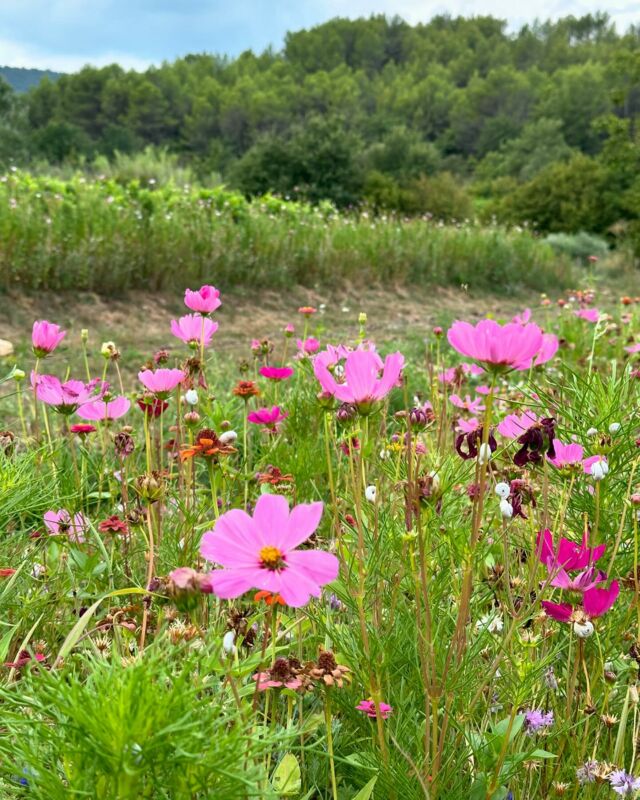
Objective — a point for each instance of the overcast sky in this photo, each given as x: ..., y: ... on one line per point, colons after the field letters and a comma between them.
x: 66, y: 34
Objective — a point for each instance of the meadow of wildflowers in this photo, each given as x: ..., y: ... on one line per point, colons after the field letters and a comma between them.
x: 333, y: 571
x: 105, y: 236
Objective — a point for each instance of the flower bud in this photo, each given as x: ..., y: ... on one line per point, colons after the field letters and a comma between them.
x: 192, y: 419
x: 599, y: 470
x: 362, y: 318
x: 19, y: 375
x: 229, y: 643
x: 592, y: 432
x: 84, y: 335
x: 484, y: 453
x: 503, y: 490
x: 614, y: 427
x: 228, y: 437
x: 191, y: 397
x: 506, y: 509
x: 370, y: 494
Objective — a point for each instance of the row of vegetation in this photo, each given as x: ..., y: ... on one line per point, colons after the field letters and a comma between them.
x: 454, y: 117
x: 101, y: 235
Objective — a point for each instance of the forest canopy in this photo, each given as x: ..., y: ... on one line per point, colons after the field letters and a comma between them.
x: 455, y: 117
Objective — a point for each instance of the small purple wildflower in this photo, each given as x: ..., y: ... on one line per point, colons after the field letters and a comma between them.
x: 536, y: 720
x: 623, y: 783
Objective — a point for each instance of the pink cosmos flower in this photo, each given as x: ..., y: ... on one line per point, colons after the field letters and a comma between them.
x: 289, y: 329
x: 45, y: 337
x: 186, y: 579
x: 568, y: 554
x: 596, y: 601
x: 588, y: 463
x: 522, y: 319
x: 259, y: 551
x: 452, y: 374
x: 514, y: 425
x: 363, y: 384
x: 468, y: 425
x: 549, y: 348
x: 270, y: 417
x: 309, y: 346
x: 497, y: 346
x: 633, y: 348
x: 473, y: 406
x: 194, y: 329
x: 567, y: 455
x: 101, y: 410
x: 276, y: 373
x: 161, y: 381
x: 204, y: 301
x: 369, y: 708
x: 589, y: 314
x: 66, y: 397
x: 62, y: 523
x: 332, y: 355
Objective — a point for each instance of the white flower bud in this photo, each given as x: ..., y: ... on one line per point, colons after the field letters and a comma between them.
x: 228, y: 437
x: 435, y: 480
x: 18, y: 374
x: 583, y: 630
x: 228, y: 643
x: 599, y: 470
x: 506, y: 509
x: 592, y: 432
x: 370, y: 493
x: 503, y: 490
x: 614, y: 427
x: 38, y: 570
x: 484, y: 454
x: 191, y: 397
x: 108, y: 349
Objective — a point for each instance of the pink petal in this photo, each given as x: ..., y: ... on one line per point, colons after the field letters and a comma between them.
x: 228, y: 583
x: 235, y: 541
x: 303, y: 521
x: 597, y: 602
x: 321, y: 567
x: 559, y: 611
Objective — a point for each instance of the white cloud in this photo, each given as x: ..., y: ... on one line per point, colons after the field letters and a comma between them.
x: 16, y: 54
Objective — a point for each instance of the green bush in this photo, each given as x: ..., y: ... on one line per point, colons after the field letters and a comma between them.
x: 578, y: 245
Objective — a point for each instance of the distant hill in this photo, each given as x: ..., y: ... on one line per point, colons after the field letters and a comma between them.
x: 21, y: 79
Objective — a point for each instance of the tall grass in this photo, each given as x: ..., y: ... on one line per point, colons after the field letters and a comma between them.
x: 101, y: 235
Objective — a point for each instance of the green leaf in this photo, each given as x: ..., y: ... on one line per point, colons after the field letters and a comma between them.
x: 286, y: 778
x: 479, y: 788
x: 366, y: 791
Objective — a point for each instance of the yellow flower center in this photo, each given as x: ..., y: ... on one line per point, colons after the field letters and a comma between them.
x: 271, y: 558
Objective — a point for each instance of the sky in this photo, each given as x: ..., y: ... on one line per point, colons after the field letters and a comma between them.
x: 65, y: 35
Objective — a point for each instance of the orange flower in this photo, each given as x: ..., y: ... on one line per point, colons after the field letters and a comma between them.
x: 269, y: 598
x: 207, y: 444
x: 246, y: 389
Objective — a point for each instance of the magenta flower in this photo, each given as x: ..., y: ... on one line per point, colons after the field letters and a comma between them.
x: 66, y: 397
x: 596, y: 601
x: 589, y: 314
x: 369, y: 708
x: 45, y: 337
x: 186, y: 579
x: 363, y: 384
x: 105, y: 410
x: 82, y: 430
x: 497, y: 347
x: 161, y: 381
x: 472, y: 406
x: 276, y: 373
x: 194, y: 329
x: 269, y: 417
x: 309, y: 346
x: 61, y: 522
x: 514, y: 425
x: 259, y: 551
x: 633, y: 348
x: 567, y: 455
x: 204, y: 301
x: 569, y: 555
